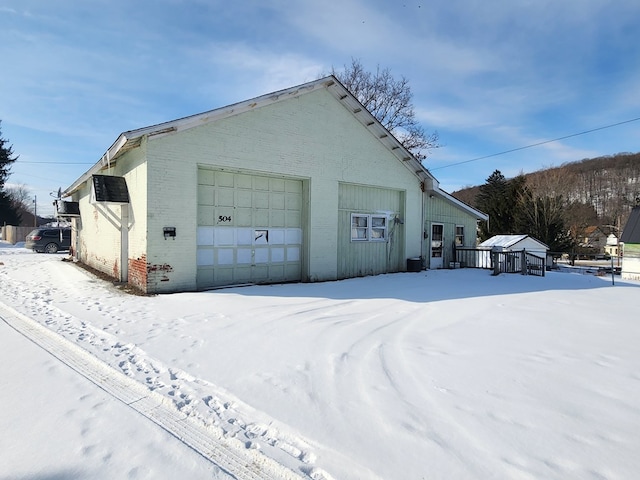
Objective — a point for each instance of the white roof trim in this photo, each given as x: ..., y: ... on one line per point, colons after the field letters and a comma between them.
x: 508, y: 241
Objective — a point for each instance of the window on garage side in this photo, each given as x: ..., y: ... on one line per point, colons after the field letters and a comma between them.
x: 368, y: 228
x: 378, y: 228
x: 459, y: 236
x: 359, y: 227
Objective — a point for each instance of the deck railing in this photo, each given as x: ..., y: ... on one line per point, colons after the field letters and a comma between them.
x: 519, y: 261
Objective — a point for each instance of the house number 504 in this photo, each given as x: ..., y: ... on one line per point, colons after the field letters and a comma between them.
x: 224, y: 218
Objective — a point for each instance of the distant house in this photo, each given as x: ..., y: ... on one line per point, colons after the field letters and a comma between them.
x: 303, y: 184
x: 630, y: 239
x: 612, y: 247
x: 593, y: 240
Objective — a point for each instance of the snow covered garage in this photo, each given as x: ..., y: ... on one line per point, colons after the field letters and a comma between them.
x: 301, y: 184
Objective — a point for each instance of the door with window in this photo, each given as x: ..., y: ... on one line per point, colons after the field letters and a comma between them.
x: 437, y: 245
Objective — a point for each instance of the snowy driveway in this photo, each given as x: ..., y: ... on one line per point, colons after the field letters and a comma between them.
x: 439, y: 374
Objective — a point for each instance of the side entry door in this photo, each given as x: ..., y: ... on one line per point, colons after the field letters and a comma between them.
x: 437, y: 245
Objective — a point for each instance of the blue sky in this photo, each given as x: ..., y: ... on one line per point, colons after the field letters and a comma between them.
x: 489, y: 76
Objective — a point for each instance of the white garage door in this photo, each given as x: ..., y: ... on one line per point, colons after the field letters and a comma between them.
x: 249, y: 229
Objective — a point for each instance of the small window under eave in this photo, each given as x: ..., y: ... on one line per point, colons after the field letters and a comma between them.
x: 109, y: 189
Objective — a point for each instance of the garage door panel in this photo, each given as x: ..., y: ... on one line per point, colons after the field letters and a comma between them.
x: 224, y: 237
x: 277, y: 200
x: 224, y: 215
x: 226, y: 197
x: 244, y: 256
x: 261, y: 217
x: 204, y: 236
x: 293, y: 254
x: 205, y: 276
x: 261, y: 183
x: 260, y: 200
x: 293, y: 219
x: 206, y: 177
x: 249, y: 229
x: 293, y: 186
x: 292, y: 270
x: 277, y: 255
x: 206, y: 214
x: 244, y: 217
x: 244, y: 199
x: 276, y: 236
x: 205, y: 195
x: 225, y: 179
x: 244, y: 181
x: 278, y: 185
x: 277, y: 218
x: 244, y: 236
x: 294, y: 201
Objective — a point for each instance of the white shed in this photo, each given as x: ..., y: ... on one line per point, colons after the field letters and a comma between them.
x: 512, y: 243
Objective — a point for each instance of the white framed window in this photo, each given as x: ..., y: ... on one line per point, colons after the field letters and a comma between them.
x: 459, y: 236
x: 378, y: 228
x: 368, y: 228
x: 359, y: 227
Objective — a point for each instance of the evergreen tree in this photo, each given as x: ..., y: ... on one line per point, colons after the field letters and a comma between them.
x: 8, y: 213
x: 499, y: 198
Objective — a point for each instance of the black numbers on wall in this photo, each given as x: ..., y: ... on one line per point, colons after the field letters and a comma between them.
x: 224, y: 218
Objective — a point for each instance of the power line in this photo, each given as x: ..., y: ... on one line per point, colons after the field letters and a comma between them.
x: 537, y: 144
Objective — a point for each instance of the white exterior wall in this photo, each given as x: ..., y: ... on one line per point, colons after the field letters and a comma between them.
x: 631, y: 262
x: 99, y: 237
x: 310, y: 137
x: 531, y: 246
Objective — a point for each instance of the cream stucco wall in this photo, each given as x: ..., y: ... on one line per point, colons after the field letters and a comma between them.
x: 98, y: 231
x: 310, y: 137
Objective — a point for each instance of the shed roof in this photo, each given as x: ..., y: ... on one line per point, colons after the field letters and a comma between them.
x: 508, y: 241
x: 631, y: 231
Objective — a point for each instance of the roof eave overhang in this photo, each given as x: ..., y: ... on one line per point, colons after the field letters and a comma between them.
x: 376, y: 128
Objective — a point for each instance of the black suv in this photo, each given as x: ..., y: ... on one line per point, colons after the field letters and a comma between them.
x: 49, y: 239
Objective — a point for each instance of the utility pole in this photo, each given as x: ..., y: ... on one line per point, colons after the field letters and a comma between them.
x: 35, y: 211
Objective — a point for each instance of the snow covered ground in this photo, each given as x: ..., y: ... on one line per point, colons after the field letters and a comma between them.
x: 432, y: 375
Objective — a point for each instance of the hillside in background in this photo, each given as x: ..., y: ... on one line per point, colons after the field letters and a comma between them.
x: 608, y: 187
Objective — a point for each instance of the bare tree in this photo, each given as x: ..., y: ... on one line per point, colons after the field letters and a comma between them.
x: 390, y: 101
x: 19, y: 196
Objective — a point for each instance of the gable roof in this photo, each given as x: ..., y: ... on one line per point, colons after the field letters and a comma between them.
x: 131, y: 139
x: 631, y: 231
x: 592, y: 230
x: 508, y: 241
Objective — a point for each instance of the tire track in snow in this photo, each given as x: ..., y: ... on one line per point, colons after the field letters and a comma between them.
x: 229, y: 454
x: 440, y: 426
x: 202, y: 402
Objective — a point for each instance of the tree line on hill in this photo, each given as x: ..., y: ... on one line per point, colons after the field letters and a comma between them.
x: 557, y: 205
